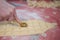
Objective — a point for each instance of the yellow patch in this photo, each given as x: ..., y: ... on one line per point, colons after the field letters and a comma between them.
x: 34, y: 27
x: 43, y: 4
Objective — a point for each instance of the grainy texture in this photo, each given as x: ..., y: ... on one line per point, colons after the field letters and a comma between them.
x: 43, y: 4
x: 13, y: 31
x: 34, y: 27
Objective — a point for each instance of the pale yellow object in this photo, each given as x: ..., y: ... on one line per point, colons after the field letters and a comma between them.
x: 43, y: 4
x: 34, y: 27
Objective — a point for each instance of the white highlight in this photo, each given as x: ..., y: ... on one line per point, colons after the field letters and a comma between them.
x: 47, y: 16
x: 25, y: 14
x: 44, y: 34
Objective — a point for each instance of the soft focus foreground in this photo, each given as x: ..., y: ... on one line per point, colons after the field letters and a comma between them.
x: 6, y: 11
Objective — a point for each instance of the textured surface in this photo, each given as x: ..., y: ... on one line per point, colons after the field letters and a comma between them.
x: 34, y: 27
x: 50, y: 15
